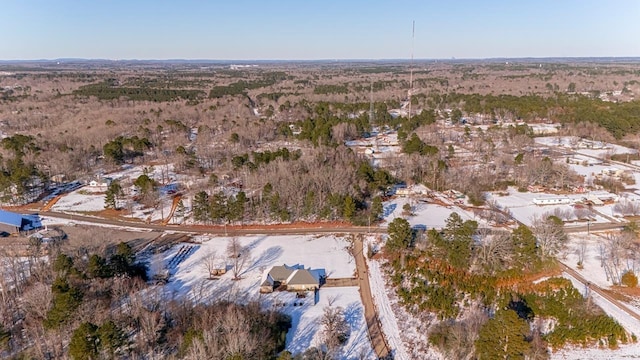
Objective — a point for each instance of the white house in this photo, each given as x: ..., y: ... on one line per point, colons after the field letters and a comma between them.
x: 101, y: 183
x: 560, y: 200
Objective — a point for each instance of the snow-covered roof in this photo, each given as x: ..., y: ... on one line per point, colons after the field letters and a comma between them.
x: 267, y: 281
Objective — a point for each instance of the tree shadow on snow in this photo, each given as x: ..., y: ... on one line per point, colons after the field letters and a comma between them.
x: 354, y: 316
x: 388, y: 210
x: 252, y: 245
x: 267, y: 258
x: 300, y: 336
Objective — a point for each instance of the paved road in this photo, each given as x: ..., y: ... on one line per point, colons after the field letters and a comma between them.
x: 281, y: 230
x: 218, y: 230
x: 594, y: 227
x: 599, y: 291
x: 376, y: 334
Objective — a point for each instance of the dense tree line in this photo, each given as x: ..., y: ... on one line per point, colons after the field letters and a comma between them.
x: 85, y: 305
x: 241, y: 87
x: 123, y: 148
x: 330, y: 89
x: 259, y: 158
x: 478, y: 283
x: 107, y: 91
x: 318, y: 184
x: 17, y: 168
x: 320, y: 128
x: 618, y: 118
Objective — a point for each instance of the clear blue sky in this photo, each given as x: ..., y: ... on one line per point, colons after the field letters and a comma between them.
x: 317, y: 29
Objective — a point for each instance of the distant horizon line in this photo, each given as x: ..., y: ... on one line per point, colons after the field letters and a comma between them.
x: 322, y: 59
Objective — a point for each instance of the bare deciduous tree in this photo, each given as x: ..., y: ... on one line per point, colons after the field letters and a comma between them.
x: 550, y: 236
x: 228, y: 336
x: 213, y: 264
x: 611, y: 253
x: 627, y: 207
x: 239, y: 257
x: 335, y: 330
x: 494, y: 249
x: 581, y: 250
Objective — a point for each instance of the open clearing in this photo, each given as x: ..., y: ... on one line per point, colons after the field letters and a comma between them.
x: 189, y: 278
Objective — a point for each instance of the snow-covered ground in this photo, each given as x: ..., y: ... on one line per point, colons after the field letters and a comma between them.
x: 545, y: 128
x: 80, y: 200
x: 630, y: 324
x: 596, y: 274
x: 405, y: 334
x: 152, y: 214
x: 591, y: 262
x: 583, y: 146
x: 590, y: 170
x: 328, y: 253
x: 306, y: 330
x: 524, y: 210
x: 163, y: 174
x: 385, y: 312
x: 424, y: 214
x: 628, y: 351
x: 378, y: 147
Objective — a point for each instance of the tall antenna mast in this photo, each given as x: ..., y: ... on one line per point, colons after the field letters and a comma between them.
x: 372, y: 117
x: 413, y: 35
x: 371, y: 113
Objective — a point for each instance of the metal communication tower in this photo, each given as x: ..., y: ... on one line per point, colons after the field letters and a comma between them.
x: 413, y: 35
x: 372, y: 114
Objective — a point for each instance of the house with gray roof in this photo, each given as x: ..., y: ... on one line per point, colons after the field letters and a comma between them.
x: 291, y: 278
x: 302, y: 280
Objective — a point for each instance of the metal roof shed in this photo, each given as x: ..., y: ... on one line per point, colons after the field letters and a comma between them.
x: 10, y: 218
x: 10, y: 222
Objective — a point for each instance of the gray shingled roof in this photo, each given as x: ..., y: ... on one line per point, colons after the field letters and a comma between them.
x: 302, y: 277
x: 280, y: 273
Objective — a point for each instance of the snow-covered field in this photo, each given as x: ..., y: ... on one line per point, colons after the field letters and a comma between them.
x: 163, y: 174
x: 80, y: 200
x: 328, y: 253
x: 424, y: 214
x: 524, y: 210
x: 591, y: 263
x: 306, y: 330
x: 585, y: 147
